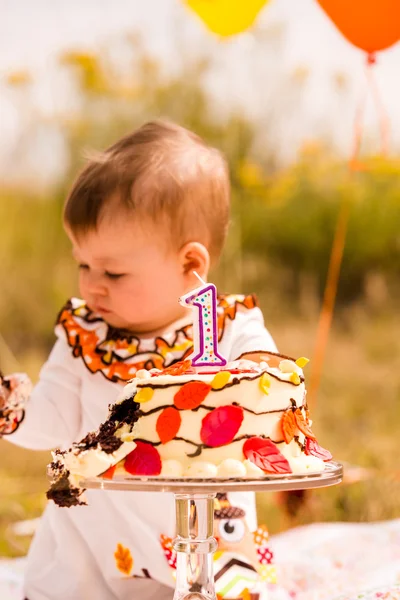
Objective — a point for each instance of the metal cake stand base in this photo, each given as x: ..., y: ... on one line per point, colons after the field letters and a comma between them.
x: 194, y: 501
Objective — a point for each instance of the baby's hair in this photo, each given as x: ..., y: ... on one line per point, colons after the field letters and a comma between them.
x: 163, y: 173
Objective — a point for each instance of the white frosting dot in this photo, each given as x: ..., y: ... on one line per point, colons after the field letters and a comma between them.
x: 171, y: 468
x: 231, y: 468
x: 143, y: 374
x: 252, y: 470
x: 306, y: 464
x: 201, y: 469
x: 289, y: 366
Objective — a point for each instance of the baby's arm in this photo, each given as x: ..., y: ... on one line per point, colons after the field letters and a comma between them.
x: 50, y: 415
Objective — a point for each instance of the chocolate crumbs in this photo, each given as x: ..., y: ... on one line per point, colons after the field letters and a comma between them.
x: 108, y: 441
x: 63, y: 493
x: 125, y: 412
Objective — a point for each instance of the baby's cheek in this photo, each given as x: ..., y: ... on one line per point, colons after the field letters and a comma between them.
x: 131, y: 298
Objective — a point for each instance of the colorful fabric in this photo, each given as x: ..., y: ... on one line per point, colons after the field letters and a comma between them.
x: 117, y: 354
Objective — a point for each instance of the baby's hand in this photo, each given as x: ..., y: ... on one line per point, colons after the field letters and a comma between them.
x: 14, y: 393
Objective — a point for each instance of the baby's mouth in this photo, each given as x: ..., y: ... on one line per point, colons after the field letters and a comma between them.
x: 101, y: 310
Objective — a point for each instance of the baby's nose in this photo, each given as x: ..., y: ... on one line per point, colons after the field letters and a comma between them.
x: 95, y: 285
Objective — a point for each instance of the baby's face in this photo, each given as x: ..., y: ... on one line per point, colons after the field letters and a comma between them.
x: 129, y: 276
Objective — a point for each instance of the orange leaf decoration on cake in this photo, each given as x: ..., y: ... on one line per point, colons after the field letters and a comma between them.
x: 168, y: 424
x: 302, y: 424
x: 124, y: 560
x: 109, y: 474
x: 289, y: 426
x: 191, y: 395
x: 178, y: 368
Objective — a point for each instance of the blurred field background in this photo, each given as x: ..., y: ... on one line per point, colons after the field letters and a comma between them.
x: 283, y: 221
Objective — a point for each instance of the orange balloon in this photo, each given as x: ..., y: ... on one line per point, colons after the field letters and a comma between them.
x: 371, y: 25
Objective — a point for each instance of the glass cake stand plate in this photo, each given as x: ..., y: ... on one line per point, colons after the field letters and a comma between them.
x: 194, y: 502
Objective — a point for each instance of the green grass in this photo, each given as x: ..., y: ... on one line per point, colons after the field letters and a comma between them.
x: 356, y: 416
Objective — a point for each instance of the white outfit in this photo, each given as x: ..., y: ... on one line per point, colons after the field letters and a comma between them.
x: 72, y: 554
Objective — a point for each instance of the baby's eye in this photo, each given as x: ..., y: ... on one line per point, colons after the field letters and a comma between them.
x: 114, y: 275
x: 83, y: 267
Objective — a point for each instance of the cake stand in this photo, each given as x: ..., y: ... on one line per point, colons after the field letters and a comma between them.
x: 194, y: 501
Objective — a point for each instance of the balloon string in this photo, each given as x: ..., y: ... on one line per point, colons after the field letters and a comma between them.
x: 336, y: 257
x: 328, y: 304
x: 383, y: 118
x: 354, y: 165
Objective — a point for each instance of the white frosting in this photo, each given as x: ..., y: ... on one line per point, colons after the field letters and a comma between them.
x: 306, y: 464
x: 171, y: 468
x: 143, y: 374
x: 94, y: 461
x: 252, y: 470
x: 201, y: 469
x: 231, y: 468
x: 289, y: 366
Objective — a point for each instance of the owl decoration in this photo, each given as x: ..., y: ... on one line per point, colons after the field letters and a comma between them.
x: 243, y: 561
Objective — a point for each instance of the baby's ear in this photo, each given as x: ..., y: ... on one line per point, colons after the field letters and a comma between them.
x: 195, y: 257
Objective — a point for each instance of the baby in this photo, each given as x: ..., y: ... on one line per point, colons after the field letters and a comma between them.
x: 141, y: 217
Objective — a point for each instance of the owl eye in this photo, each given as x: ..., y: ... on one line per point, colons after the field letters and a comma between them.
x: 231, y: 530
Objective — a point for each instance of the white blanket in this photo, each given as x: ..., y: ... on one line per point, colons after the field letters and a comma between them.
x: 333, y: 561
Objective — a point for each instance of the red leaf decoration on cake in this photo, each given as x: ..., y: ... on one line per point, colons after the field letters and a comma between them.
x: 302, y: 424
x: 265, y: 455
x: 168, y: 424
x: 314, y: 449
x: 288, y: 425
x: 191, y: 395
x: 221, y: 425
x: 178, y: 368
x: 143, y: 460
x: 109, y: 474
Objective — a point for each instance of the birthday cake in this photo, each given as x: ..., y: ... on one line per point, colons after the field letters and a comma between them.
x: 200, y: 418
x: 245, y: 420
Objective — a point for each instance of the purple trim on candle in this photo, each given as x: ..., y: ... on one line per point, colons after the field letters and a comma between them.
x: 196, y: 362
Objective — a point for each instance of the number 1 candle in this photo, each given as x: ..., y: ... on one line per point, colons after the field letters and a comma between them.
x: 205, y: 326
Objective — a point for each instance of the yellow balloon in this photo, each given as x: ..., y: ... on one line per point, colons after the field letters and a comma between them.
x: 227, y: 17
